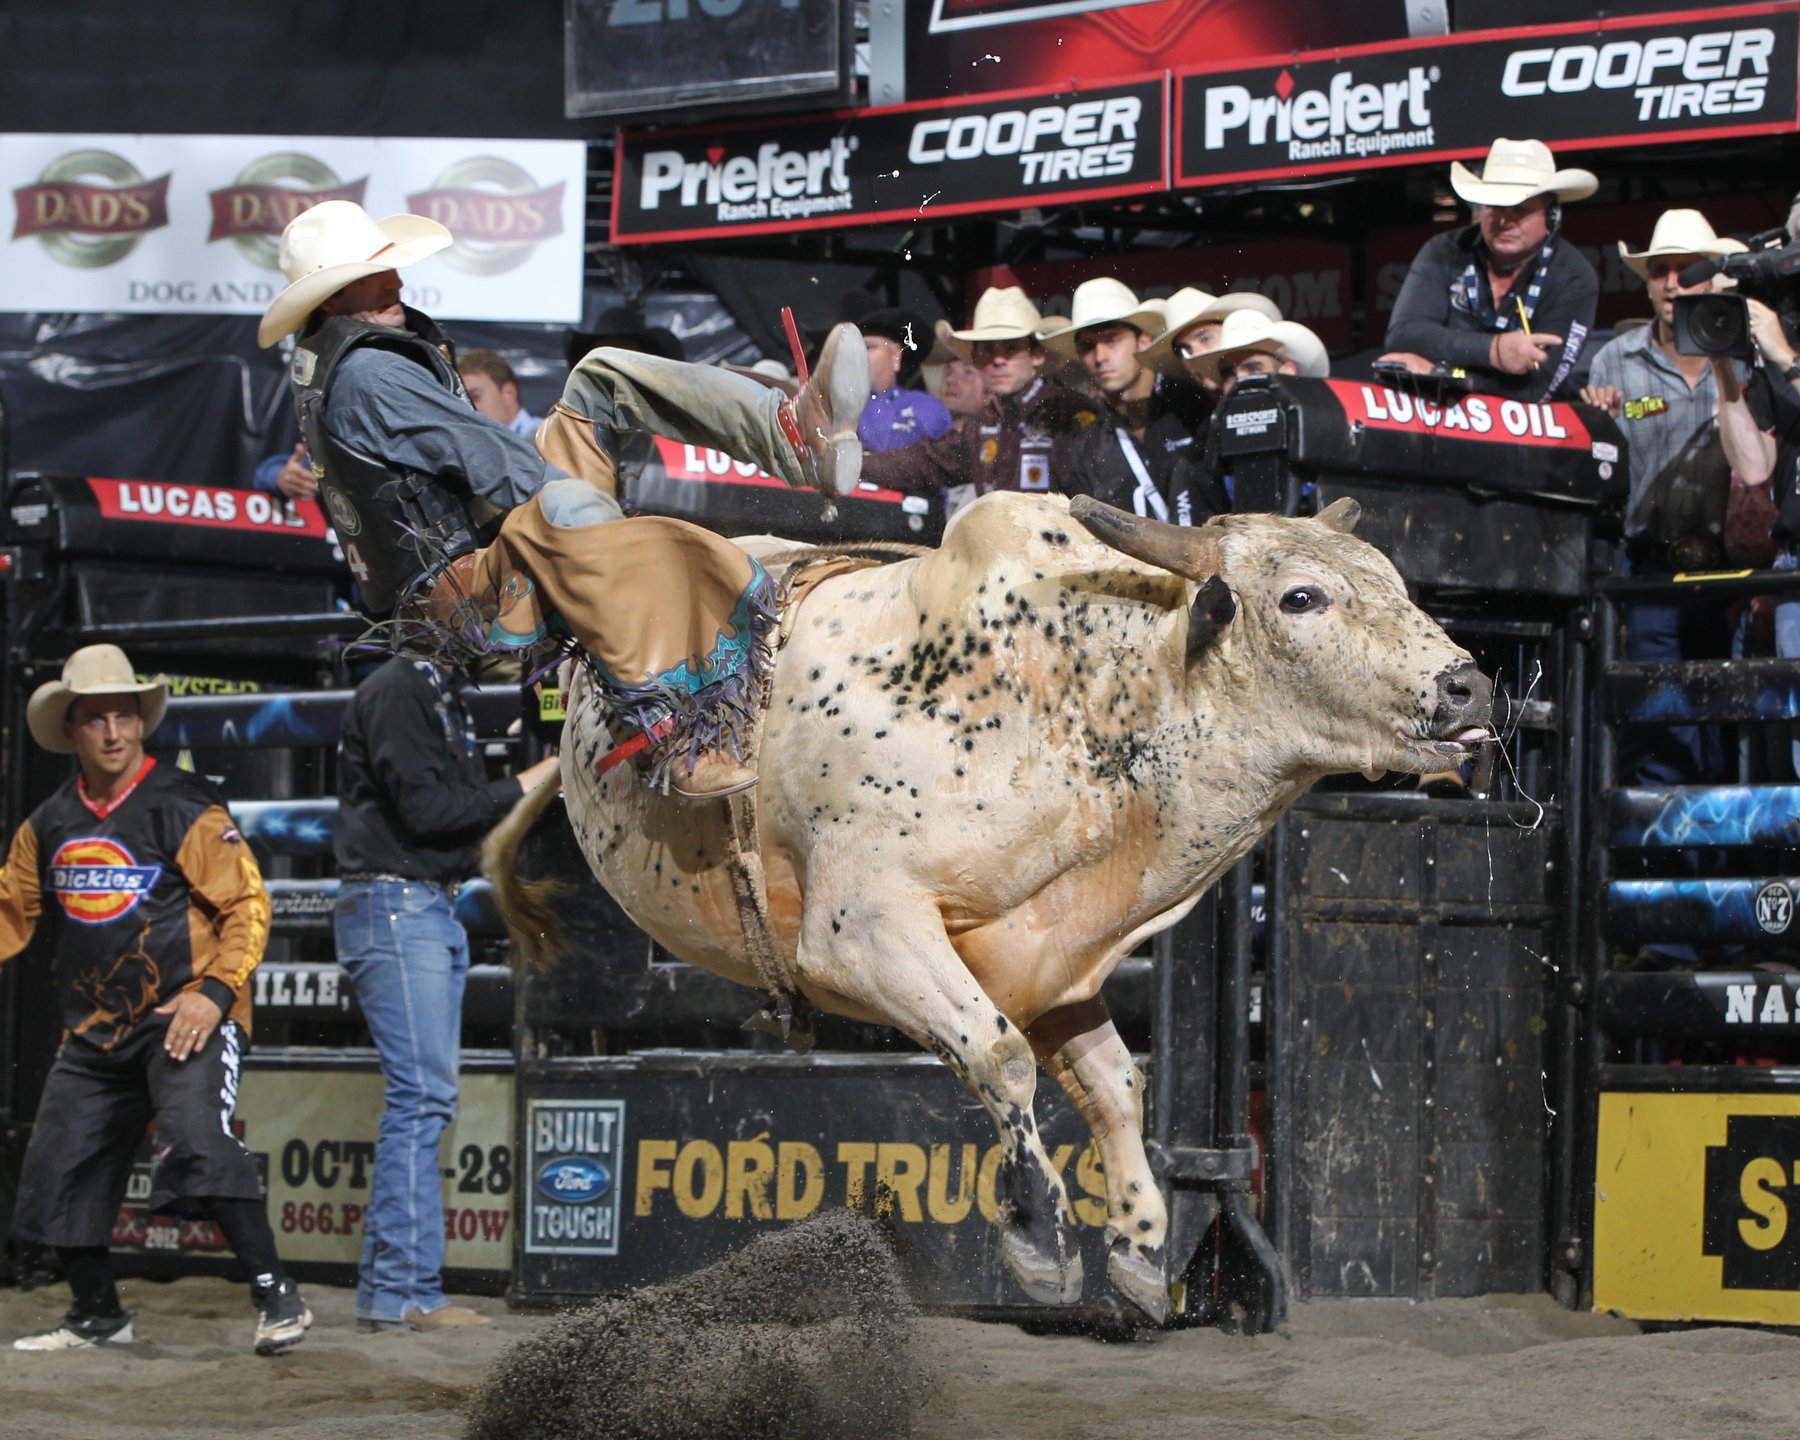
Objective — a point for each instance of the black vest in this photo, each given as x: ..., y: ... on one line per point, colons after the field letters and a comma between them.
x: 394, y: 524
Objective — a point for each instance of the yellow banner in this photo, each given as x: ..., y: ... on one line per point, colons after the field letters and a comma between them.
x: 1697, y: 1207
x: 318, y: 1128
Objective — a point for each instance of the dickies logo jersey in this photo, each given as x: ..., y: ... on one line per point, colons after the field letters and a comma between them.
x: 96, y: 879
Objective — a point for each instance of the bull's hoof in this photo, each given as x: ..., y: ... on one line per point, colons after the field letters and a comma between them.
x: 1040, y: 1275
x: 1140, y: 1281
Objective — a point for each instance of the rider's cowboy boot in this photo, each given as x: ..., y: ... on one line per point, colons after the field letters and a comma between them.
x: 820, y: 421
x: 479, y: 591
x: 715, y: 774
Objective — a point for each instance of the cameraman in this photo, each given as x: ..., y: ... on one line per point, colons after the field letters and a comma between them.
x: 1687, y: 426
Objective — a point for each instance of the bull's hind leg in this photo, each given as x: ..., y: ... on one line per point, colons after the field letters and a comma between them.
x: 902, y: 968
x: 1080, y: 1047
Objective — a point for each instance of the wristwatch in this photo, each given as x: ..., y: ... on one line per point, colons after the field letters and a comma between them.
x: 1792, y: 373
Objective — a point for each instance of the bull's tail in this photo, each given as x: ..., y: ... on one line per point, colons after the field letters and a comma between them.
x: 537, y: 938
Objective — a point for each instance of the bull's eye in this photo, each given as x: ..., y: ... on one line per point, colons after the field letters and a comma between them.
x: 1303, y: 598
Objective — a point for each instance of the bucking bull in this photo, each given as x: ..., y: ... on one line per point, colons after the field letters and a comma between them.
x: 990, y: 771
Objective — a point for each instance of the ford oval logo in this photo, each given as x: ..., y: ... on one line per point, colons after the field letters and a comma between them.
x: 574, y: 1180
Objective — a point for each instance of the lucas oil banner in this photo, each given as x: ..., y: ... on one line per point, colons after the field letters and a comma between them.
x: 909, y: 162
x: 191, y: 224
x: 1587, y: 85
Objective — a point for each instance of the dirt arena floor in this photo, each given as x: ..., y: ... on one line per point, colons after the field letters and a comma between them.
x: 1506, y: 1367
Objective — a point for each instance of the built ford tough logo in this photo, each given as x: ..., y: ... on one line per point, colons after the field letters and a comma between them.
x: 574, y: 1180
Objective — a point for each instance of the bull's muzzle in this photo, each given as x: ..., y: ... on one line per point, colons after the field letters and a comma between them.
x: 1465, y: 705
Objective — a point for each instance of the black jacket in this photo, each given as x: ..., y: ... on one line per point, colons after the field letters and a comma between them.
x: 1179, y: 411
x: 413, y: 795
x: 1432, y: 316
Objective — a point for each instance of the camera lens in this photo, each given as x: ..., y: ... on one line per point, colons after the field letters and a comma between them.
x: 1719, y: 324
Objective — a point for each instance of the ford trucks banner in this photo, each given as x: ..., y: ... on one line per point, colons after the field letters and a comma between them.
x: 1631, y: 81
x: 191, y: 224
x: 908, y: 162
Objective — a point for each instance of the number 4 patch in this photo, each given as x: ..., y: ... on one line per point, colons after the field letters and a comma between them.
x: 358, y: 566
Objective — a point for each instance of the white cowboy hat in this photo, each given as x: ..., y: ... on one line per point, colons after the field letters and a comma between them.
x: 1516, y: 170
x: 1246, y: 332
x: 1189, y: 307
x: 323, y: 249
x: 1680, y: 232
x: 91, y: 670
x: 1103, y: 301
x: 767, y: 371
x: 1004, y: 312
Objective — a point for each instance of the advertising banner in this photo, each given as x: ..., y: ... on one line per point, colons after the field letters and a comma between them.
x: 1695, y: 1217
x: 1637, y: 80
x: 191, y: 224
x: 312, y: 1133
x: 906, y: 162
x: 1309, y: 279
x: 966, y: 47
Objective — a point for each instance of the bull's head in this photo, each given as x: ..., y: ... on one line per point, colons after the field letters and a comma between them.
x: 1301, y: 616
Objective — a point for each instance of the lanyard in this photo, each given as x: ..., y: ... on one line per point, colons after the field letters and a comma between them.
x: 1146, y: 498
x: 1508, y: 316
x: 449, y: 707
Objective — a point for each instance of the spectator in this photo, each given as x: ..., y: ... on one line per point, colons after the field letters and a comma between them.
x: 1680, y: 414
x: 1024, y: 439
x: 1506, y: 301
x: 1195, y: 321
x: 1250, y: 343
x: 414, y: 801
x: 1147, y: 420
x: 493, y: 390
x: 895, y: 416
x: 287, y: 473
x: 156, y: 914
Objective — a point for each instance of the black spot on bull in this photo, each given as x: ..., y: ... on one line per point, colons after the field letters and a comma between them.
x: 804, y: 1334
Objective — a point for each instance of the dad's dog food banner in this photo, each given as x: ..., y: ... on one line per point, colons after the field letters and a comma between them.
x: 191, y: 224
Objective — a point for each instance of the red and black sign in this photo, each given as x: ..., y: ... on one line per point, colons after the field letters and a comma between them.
x: 910, y: 162
x: 1641, y: 79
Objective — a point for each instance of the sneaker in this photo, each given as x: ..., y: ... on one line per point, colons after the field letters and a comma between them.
x: 824, y: 414
x: 282, y: 1318
x: 82, y: 1332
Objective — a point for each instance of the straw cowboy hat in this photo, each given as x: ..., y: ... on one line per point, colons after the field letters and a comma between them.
x: 1680, y: 232
x: 1103, y: 301
x: 1004, y: 312
x: 323, y: 249
x: 1189, y: 307
x: 1516, y: 170
x: 91, y: 670
x: 1248, y: 332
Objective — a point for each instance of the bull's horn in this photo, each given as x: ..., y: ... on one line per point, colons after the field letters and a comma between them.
x: 1340, y: 515
x: 1191, y: 553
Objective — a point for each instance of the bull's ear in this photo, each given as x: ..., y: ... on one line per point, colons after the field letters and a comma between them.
x: 1213, y: 609
x: 1340, y: 515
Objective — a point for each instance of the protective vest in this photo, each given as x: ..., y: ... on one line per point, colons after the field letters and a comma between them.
x: 395, y: 524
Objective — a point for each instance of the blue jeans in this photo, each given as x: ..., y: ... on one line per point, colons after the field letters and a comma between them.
x: 407, y: 959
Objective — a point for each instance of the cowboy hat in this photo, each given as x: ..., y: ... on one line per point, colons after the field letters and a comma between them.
x: 1514, y: 171
x: 1004, y: 312
x: 768, y: 372
x: 1103, y: 301
x: 1679, y: 232
x: 1189, y: 307
x: 1247, y: 332
x: 337, y: 241
x: 91, y: 670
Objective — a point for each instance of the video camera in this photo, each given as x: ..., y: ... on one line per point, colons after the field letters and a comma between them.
x: 1719, y: 324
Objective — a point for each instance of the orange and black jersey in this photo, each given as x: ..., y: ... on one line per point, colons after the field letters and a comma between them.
x: 143, y: 898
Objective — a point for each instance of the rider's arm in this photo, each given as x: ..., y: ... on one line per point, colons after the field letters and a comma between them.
x: 393, y: 410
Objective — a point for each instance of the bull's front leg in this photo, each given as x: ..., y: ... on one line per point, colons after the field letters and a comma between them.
x: 900, y: 966
x: 1079, y: 1046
